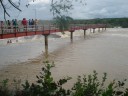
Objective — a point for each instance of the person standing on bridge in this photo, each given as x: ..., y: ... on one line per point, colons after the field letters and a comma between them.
x: 2, y: 26
x: 36, y: 23
x: 16, y: 24
x: 9, y: 24
x: 32, y: 23
x: 13, y: 23
x: 24, y: 23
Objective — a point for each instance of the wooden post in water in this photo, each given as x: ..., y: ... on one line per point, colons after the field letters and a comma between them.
x: 85, y: 33
x: 105, y: 28
x: 46, y: 45
x: 93, y: 30
x: 46, y: 34
x: 90, y: 29
x: 71, y: 36
x: 102, y: 28
x: 99, y: 29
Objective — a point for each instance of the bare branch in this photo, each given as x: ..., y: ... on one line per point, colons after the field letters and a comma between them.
x: 5, y: 9
x: 5, y: 12
x: 14, y: 5
x: 58, y: 7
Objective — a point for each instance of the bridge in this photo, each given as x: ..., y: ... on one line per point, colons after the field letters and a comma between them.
x: 12, y: 31
x: 46, y: 30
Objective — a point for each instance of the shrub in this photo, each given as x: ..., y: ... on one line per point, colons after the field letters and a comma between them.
x: 4, y: 91
x: 88, y: 85
x: 91, y: 86
x: 45, y: 85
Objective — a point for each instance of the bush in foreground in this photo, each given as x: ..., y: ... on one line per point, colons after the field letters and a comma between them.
x: 88, y: 85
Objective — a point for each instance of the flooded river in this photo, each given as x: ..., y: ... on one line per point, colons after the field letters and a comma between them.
x: 102, y: 51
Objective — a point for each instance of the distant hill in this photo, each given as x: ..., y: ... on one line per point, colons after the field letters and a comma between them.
x: 111, y: 22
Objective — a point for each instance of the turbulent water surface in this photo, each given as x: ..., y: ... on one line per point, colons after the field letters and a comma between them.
x: 105, y: 52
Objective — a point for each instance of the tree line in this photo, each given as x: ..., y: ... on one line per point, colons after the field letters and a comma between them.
x: 111, y: 22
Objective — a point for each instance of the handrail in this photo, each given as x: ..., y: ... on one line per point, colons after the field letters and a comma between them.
x: 44, y: 29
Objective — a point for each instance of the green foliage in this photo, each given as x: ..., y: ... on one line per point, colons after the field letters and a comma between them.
x: 45, y: 85
x: 62, y: 7
x: 58, y: 7
x: 4, y: 91
x: 111, y: 22
x: 91, y: 86
x: 63, y: 22
x: 88, y: 85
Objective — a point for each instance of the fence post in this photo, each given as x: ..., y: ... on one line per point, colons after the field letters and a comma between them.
x: 15, y: 31
x: 2, y: 29
x: 26, y: 29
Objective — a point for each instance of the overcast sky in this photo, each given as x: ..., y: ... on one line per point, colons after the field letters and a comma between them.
x: 93, y: 9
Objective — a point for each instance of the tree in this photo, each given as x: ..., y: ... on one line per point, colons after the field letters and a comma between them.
x: 57, y: 6
x: 4, y: 7
x: 63, y: 22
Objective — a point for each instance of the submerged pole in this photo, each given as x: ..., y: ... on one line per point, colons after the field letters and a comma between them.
x: 85, y: 33
x: 71, y: 36
x: 93, y: 30
x: 102, y: 29
x: 46, y: 45
x: 90, y: 29
x: 105, y: 27
x: 98, y: 29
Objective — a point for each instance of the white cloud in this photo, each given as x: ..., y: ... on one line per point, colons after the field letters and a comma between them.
x: 93, y: 9
x: 102, y: 9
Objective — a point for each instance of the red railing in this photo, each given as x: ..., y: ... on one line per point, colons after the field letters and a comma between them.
x: 12, y: 31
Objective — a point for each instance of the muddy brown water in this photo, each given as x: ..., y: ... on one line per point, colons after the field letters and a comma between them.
x: 104, y: 52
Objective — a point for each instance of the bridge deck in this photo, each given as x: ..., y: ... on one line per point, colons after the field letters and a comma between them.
x: 12, y: 32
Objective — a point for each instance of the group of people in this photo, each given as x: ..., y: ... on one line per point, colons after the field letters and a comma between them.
x: 15, y: 23
x: 9, y: 23
x: 32, y: 22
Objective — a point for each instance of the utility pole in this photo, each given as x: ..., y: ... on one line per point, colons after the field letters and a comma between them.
x: 35, y: 13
